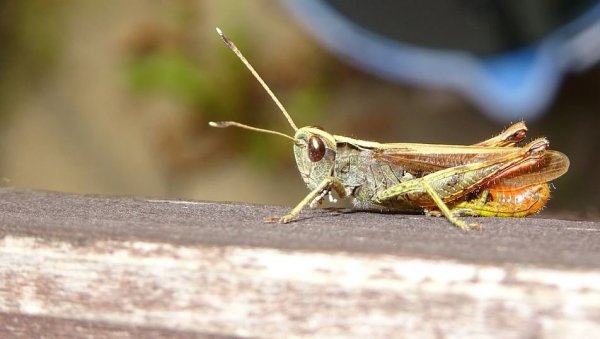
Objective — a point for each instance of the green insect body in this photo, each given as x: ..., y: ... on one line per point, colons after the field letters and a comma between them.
x: 492, y: 178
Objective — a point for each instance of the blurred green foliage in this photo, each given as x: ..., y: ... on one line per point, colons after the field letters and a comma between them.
x: 172, y: 73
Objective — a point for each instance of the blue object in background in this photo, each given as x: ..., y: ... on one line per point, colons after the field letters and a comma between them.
x: 508, y: 84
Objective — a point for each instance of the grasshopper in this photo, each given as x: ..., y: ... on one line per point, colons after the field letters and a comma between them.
x: 495, y: 177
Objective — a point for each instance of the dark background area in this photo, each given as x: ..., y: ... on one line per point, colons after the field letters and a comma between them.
x: 114, y: 97
x: 482, y: 27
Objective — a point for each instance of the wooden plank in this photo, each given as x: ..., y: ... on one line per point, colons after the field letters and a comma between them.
x: 27, y: 326
x: 153, y: 267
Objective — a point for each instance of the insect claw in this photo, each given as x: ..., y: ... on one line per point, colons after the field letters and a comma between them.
x: 476, y: 227
x: 283, y: 220
x: 287, y: 218
x: 272, y: 219
x: 432, y: 213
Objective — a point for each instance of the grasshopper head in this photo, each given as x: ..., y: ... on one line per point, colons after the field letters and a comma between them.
x: 315, y: 152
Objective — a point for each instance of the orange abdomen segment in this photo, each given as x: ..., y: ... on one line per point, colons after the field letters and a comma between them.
x: 504, y: 201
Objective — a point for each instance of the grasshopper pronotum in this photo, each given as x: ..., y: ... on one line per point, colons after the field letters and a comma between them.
x: 492, y: 178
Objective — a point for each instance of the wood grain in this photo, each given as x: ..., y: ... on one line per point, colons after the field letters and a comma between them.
x: 74, y: 266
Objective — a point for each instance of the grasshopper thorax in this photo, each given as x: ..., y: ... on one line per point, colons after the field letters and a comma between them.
x: 315, y: 152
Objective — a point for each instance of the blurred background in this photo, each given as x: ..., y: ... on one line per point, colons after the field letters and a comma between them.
x: 113, y: 97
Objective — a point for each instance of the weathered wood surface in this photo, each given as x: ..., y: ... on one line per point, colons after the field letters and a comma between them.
x: 74, y: 266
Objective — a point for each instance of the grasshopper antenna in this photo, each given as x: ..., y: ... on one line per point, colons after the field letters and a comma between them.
x: 239, y: 54
x: 223, y: 124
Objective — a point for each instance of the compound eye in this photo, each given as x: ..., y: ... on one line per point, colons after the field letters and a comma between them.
x: 316, y: 148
